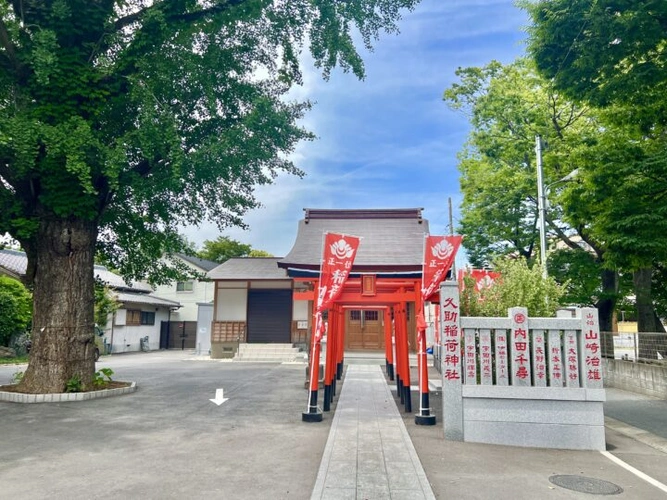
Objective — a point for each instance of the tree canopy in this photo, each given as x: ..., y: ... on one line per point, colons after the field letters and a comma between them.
x: 508, y: 106
x: 518, y: 284
x: 604, y: 52
x: 611, y: 55
x: 121, y: 121
x: 224, y: 248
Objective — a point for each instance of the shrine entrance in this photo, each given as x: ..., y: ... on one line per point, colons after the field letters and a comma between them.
x: 364, y: 330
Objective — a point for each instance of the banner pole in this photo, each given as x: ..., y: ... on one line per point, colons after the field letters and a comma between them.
x: 312, y: 413
x: 424, y: 416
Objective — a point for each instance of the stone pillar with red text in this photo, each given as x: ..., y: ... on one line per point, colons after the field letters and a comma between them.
x: 450, y: 338
x: 590, y: 348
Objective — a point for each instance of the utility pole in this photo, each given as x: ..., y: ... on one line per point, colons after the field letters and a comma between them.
x: 451, y: 232
x: 541, y: 206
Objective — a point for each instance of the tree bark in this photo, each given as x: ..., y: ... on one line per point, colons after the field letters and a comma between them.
x: 643, y: 300
x: 647, y: 319
x: 607, y: 302
x: 606, y: 307
x: 63, y: 341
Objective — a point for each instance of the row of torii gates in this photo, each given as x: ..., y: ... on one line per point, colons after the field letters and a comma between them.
x: 390, y: 295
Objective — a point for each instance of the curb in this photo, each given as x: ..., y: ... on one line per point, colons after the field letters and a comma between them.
x: 64, y: 397
x: 637, y: 434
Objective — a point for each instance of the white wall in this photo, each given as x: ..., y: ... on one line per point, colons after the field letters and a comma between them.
x: 300, y: 310
x: 204, y: 319
x: 231, y: 304
x: 126, y: 338
x: 201, y: 292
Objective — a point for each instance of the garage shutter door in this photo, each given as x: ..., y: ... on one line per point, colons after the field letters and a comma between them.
x: 269, y: 316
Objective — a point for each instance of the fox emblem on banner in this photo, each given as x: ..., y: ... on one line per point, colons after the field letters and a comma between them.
x: 338, y: 257
x: 439, y: 254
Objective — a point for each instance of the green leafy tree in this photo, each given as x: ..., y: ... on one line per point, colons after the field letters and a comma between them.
x: 508, y: 106
x: 519, y: 285
x: 15, y: 308
x: 259, y: 253
x: 223, y: 248
x: 611, y: 55
x: 121, y: 121
x: 627, y: 198
x: 604, y: 52
x: 105, y: 305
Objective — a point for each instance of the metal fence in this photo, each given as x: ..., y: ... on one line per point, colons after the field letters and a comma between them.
x: 642, y: 346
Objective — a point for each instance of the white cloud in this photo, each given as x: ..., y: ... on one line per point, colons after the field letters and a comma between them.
x: 390, y: 140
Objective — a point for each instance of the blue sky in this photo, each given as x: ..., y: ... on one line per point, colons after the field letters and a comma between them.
x: 388, y: 141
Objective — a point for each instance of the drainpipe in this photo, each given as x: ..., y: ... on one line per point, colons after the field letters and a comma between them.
x: 113, y: 322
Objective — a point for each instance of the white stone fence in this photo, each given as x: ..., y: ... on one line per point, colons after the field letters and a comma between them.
x: 521, y: 381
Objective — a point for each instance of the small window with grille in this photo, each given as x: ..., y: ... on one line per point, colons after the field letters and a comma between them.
x: 370, y: 315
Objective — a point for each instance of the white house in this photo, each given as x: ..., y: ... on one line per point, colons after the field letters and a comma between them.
x: 140, y: 315
x: 190, y: 292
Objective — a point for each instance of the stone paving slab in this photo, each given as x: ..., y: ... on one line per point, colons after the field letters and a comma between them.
x: 369, y: 453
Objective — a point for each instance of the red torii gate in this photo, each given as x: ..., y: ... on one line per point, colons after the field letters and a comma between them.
x: 391, y: 295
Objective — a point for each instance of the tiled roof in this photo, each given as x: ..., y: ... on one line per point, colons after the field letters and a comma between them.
x: 392, y: 239
x: 13, y: 261
x: 249, y: 268
x: 145, y: 298
x: 206, y: 265
x: 115, y: 281
x: 16, y: 262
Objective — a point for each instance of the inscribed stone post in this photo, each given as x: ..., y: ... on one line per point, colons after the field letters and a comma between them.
x: 590, y: 348
x: 555, y: 359
x: 450, y: 336
x: 519, y: 347
x: 502, y: 366
x: 470, y: 356
x: 485, y: 358
x: 571, y: 360
x: 539, y: 359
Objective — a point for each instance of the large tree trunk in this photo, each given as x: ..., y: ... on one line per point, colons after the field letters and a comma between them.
x: 63, y: 342
x: 607, y: 303
x: 606, y: 307
x: 644, y: 302
x: 647, y: 319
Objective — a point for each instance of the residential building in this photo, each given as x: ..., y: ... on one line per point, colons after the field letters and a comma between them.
x: 138, y: 320
x: 191, y: 291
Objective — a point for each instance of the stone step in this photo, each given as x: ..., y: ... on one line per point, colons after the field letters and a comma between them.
x: 277, y: 353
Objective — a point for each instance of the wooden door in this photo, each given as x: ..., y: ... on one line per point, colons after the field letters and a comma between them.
x: 364, y: 329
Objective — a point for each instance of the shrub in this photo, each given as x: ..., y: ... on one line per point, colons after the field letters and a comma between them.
x: 15, y: 309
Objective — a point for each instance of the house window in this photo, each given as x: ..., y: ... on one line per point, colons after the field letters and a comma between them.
x: 133, y: 317
x: 136, y: 318
x: 184, y: 286
x: 147, y: 318
x: 355, y: 315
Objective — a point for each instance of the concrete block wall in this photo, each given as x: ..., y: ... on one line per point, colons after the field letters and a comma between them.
x: 643, y: 378
x: 534, y: 417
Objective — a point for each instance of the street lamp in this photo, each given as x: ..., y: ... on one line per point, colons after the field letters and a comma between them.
x: 542, y: 201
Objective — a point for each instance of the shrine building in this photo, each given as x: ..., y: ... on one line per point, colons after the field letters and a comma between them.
x: 271, y: 300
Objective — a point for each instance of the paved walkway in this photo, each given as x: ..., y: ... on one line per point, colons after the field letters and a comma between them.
x: 369, y: 454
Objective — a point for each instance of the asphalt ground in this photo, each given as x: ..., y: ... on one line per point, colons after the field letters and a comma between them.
x: 480, y: 471
x: 168, y: 440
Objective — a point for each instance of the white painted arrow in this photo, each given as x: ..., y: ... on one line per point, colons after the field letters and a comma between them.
x: 219, y: 399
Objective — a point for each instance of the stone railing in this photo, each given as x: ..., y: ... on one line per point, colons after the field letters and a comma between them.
x: 521, y: 381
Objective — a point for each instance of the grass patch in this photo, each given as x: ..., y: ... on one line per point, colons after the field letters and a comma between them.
x: 14, y: 361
